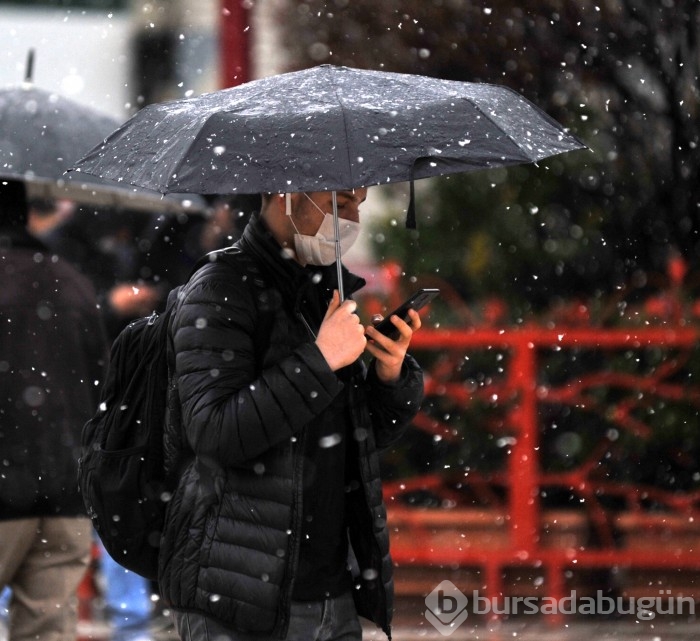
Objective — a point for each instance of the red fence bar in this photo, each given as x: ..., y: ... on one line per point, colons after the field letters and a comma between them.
x: 540, y: 337
x: 523, y: 490
x: 445, y: 538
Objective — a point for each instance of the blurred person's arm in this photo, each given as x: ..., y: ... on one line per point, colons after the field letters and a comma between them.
x: 130, y: 300
x: 127, y: 301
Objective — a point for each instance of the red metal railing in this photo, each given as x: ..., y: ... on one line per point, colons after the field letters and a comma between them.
x: 524, y: 479
x: 494, y: 521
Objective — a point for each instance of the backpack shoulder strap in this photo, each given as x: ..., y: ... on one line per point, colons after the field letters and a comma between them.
x: 236, y: 256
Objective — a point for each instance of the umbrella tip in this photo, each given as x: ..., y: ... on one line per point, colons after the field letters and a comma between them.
x: 29, y: 69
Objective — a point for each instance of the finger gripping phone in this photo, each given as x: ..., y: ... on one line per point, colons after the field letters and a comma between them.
x: 416, y: 301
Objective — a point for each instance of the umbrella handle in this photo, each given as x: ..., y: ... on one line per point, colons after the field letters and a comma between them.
x: 338, y: 256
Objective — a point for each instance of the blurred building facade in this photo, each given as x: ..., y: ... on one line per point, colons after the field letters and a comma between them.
x: 119, y: 55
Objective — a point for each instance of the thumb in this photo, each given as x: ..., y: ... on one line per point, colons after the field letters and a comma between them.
x: 333, y: 305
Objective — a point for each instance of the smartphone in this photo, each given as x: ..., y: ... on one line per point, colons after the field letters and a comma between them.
x: 417, y: 300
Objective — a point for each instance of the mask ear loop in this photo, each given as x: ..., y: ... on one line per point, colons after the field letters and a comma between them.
x: 288, y: 210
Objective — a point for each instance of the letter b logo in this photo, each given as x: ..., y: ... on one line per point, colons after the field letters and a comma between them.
x: 446, y: 607
x: 447, y: 604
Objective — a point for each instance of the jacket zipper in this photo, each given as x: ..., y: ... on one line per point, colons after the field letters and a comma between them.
x: 297, y: 517
x: 363, y: 456
x: 306, y: 324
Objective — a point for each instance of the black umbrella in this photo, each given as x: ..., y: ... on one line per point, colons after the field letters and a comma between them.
x: 43, y: 133
x: 325, y: 129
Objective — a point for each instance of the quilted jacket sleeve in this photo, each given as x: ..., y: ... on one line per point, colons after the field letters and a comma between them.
x: 393, y: 406
x: 230, y: 413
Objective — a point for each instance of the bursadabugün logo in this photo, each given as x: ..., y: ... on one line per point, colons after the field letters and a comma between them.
x: 447, y: 607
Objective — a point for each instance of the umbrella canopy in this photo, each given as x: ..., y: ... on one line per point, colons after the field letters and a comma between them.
x: 326, y: 128
x: 43, y: 133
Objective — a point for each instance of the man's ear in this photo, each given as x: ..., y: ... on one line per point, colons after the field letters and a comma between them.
x: 274, y: 201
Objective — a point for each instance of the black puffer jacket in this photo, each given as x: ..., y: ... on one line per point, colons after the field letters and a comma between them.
x: 230, y: 546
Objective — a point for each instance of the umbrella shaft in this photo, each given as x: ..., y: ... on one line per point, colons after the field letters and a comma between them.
x: 338, y: 256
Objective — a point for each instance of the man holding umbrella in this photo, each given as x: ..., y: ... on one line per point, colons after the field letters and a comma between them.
x: 277, y: 521
x: 254, y: 541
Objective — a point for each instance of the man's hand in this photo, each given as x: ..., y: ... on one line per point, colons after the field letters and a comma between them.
x: 391, y: 353
x: 341, y: 337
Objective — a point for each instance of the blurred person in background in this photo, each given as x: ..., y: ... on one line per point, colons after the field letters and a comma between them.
x: 103, y: 247
x: 173, y: 244
x: 133, y: 258
x: 52, y: 356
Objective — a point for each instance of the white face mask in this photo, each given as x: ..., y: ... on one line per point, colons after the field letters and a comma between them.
x: 320, y: 249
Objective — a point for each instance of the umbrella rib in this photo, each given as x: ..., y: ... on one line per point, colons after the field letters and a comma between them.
x: 176, y: 167
x: 545, y: 116
x: 345, y: 123
x: 495, y: 124
x: 175, y: 170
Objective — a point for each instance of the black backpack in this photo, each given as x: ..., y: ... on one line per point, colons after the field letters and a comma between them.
x: 122, y: 474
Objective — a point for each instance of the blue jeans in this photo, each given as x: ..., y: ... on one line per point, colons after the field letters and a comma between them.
x: 127, y: 597
x: 330, y: 620
x: 4, y: 604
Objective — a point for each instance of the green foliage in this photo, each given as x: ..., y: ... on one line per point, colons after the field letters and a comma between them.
x: 506, y: 233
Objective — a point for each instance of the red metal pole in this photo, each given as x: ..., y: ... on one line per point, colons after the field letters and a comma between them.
x: 234, y: 37
x: 523, y: 465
